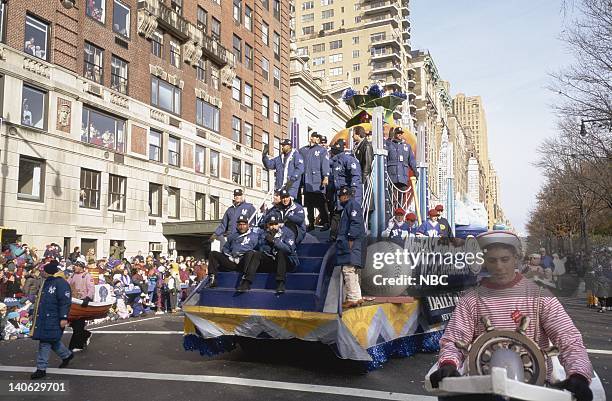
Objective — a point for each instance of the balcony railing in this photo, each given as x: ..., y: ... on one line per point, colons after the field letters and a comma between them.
x: 381, y: 20
x: 184, y: 30
x: 379, y: 6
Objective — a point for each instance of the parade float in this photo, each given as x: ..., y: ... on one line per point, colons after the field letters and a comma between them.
x: 391, y: 325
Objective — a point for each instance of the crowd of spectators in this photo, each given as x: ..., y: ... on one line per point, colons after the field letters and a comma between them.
x: 141, y: 284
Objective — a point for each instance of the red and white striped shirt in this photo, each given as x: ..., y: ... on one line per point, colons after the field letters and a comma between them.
x: 504, y: 305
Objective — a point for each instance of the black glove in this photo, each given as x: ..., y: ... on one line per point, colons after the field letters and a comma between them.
x: 416, y: 174
x: 447, y: 370
x: 578, y: 385
x: 265, y: 149
x: 270, y: 238
x: 86, y: 301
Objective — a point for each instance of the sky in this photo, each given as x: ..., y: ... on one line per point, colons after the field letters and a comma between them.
x: 503, y: 51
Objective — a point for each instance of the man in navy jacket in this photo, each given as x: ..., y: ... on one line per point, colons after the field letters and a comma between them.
x: 292, y: 215
x: 51, y: 318
x: 239, y: 208
x: 236, y: 253
x: 288, y: 167
x: 316, y: 179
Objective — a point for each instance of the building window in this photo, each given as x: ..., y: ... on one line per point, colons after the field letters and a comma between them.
x: 200, y: 208
x: 207, y: 115
x: 94, y: 63
x: 318, y: 60
x: 248, y: 18
x: 2, y: 16
x: 248, y: 56
x: 89, y: 196
x: 237, y: 89
x: 237, y: 11
x: 328, y: 26
x: 335, y: 44
x: 213, y: 207
x: 318, y: 73
x: 175, y: 54
x: 308, y: 17
x: 215, y: 29
x: 174, y: 151
x: 236, y: 171
x: 155, y: 200
x: 327, y: 14
x: 355, y: 53
x: 248, y: 175
x: 334, y: 72
x: 96, y: 9
x: 358, y: 19
x: 200, y: 159
x: 155, y: 145
x: 265, y: 33
x: 265, y: 106
x: 276, y: 45
x: 302, y: 51
x: 248, y: 134
x: 355, y: 40
x: 36, y: 37
x: 327, y: 2
x: 121, y: 19
x: 265, y: 4
x: 237, y: 44
x: 119, y: 75
x: 356, y: 81
x: 335, y: 58
x: 265, y: 68
x: 177, y: 6
x: 248, y: 95
x: 277, y: 148
x: 102, y: 130
x: 276, y: 113
x: 320, y: 47
x: 116, y: 193
x: 308, y: 30
x: 202, y: 19
x: 33, y: 107
x: 276, y: 9
x: 214, y: 76
x: 214, y: 163
x: 277, y: 77
x: 236, y: 129
x: 201, y: 70
x: 31, y: 183
x: 157, y: 44
x: 174, y: 203
x: 308, y: 5
x: 165, y: 96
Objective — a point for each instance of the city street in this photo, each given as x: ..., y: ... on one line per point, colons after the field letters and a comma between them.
x: 143, y: 359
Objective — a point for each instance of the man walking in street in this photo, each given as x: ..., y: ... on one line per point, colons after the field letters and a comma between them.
x: 51, y: 318
x: 315, y: 180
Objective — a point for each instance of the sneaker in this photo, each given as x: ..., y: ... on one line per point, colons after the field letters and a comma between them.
x: 212, y: 281
x: 325, y: 227
x: 66, y: 361
x: 159, y: 312
x: 89, y: 338
x: 602, y: 310
x: 280, y: 287
x: 74, y: 350
x: 245, y: 285
x: 39, y: 374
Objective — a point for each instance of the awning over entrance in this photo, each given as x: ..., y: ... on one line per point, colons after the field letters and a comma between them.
x: 190, y: 228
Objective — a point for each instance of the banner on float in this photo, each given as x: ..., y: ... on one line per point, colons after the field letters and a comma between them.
x: 104, y: 294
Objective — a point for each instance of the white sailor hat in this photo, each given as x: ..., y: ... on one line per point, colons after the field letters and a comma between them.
x: 499, y: 237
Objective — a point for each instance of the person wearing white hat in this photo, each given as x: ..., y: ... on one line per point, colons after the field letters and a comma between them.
x: 505, y: 298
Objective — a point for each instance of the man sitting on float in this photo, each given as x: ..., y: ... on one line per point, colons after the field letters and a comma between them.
x: 505, y: 298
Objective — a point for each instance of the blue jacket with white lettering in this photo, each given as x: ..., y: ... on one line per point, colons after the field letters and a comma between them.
x: 400, y: 160
x: 228, y: 223
x: 350, y: 229
x: 316, y: 167
x: 287, y: 168
x: 346, y: 171
x: 52, y: 305
x: 238, y: 244
x: 284, y: 240
x: 294, y: 218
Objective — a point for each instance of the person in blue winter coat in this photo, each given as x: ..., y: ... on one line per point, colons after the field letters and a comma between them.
x: 292, y: 215
x: 51, y: 318
x: 351, y: 233
x: 274, y: 208
x: 288, y: 167
x: 431, y: 226
x: 345, y: 171
x: 276, y: 253
x: 237, y: 252
x: 239, y: 208
x: 315, y: 180
x: 400, y: 159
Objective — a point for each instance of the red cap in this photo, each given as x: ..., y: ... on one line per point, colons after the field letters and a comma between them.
x: 411, y: 217
x: 399, y: 210
x: 439, y: 208
x: 433, y: 212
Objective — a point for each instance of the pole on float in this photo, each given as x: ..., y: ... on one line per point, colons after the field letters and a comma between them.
x: 378, y: 174
x: 422, y: 169
x: 450, y: 190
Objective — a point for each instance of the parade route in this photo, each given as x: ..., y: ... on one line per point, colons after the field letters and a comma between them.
x: 145, y: 359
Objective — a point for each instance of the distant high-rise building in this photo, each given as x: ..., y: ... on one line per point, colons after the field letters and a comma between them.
x: 470, y: 112
x: 359, y: 42
x: 473, y: 180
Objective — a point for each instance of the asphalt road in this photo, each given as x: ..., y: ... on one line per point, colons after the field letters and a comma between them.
x: 143, y: 359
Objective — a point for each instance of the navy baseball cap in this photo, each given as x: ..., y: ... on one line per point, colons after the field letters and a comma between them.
x: 323, y: 139
x: 286, y: 141
x: 242, y: 219
x: 344, y: 191
x: 284, y: 193
x: 238, y: 192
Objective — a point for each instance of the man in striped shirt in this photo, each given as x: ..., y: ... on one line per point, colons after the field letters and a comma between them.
x: 505, y: 297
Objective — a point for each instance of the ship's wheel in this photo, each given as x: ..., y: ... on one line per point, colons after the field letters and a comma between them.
x: 533, y: 359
